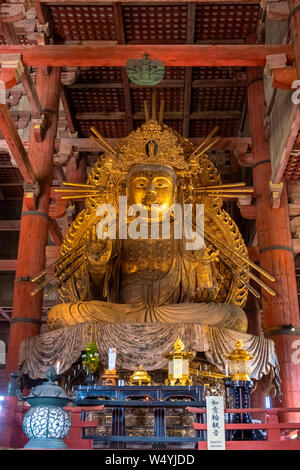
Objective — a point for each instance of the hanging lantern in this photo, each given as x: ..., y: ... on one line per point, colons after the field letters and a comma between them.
x: 239, y: 369
x: 178, y: 373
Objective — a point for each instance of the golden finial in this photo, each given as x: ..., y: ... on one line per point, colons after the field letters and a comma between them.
x: 178, y: 345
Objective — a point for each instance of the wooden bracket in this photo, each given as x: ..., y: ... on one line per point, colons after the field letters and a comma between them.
x: 275, y: 190
x: 248, y: 211
x: 244, y: 159
x: 274, y: 61
x: 278, y: 11
x: 44, y: 29
x: 66, y: 151
x: 70, y: 211
x: 11, y: 70
x: 39, y: 127
x: 32, y: 191
x: 283, y: 78
x: 69, y: 76
x: 12, y: 12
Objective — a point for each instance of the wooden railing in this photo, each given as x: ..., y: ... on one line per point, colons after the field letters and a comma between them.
x: 75, y: 440
x: 275, y: 440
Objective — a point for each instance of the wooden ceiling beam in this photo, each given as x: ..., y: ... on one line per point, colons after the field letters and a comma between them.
x: 120, y: 31
x: 15, y: 145
x: 167, y: 115
x: 9, y: 225
x: 67, y: 111
x: 87, y: 145
x: 188, y: 73
x: 248, y: 55
x: 204, y: 83
x: 8, y: 264
x: 157, y: 2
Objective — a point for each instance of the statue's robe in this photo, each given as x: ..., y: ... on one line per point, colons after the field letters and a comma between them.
x: 153, y: 285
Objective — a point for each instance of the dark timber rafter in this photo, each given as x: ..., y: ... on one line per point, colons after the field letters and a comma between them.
x: 117, y: 7
x: 188, y: 74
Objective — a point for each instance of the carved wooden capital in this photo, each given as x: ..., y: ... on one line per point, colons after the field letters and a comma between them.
x: 32, y: 191
x: 11, y: 70
x: 275, y: 190
x: 39, y: 127
x: 69, y: 76
x: 274, y: 61
x: 12, y: 12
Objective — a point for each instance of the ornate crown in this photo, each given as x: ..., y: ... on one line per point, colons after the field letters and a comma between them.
x: 151, y: 144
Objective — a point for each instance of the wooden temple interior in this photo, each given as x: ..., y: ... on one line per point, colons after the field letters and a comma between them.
x: 228, y: 63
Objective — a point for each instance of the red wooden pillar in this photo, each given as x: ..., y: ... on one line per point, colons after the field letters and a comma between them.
x: 26, y: 313
x: 276, y: 252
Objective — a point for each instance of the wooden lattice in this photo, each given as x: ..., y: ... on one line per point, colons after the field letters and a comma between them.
x: 225, y: 22
x: 93, y: 99
x: 219, y: 98
x: 83, y: 22
x: 165, y: 23
x: 99, y: 74
x: 174, y: 98
x: 112, y: 129
x: 202, y: 127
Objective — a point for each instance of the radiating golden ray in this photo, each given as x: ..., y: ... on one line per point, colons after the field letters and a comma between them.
x: 82, y: 196
x: 79, y: 185
x: 106, y: 144
x: 227, y: 185
x: 56, y: 262
x: 225, y: 190
x: 64, y: 278
x: 209, y: 136
x: 245, y: 260
x: 207, y: 147
x: 56, y: 274
x: 85, y: 191
x: 238, y: 196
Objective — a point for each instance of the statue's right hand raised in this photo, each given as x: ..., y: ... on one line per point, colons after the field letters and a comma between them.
x: 98, y: 252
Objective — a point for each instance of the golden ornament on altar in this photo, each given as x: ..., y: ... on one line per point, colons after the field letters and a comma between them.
x: 140, y: 377
x: 178, y: 365
x: 239, y: 363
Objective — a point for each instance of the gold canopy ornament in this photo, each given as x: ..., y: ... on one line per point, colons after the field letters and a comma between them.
x: 140, y: 377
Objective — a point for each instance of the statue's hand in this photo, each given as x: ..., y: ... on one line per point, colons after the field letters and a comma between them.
x: 98, y: 252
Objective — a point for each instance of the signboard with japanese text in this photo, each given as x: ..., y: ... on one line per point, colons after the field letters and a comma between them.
x: 112, y: 354
x: 215, y: 423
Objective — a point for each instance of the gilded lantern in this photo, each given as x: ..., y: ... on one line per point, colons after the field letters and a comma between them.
x: 239, y: 363
x: 178, y: 372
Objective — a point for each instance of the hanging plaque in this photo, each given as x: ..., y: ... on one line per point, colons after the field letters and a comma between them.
x: 145, y: 71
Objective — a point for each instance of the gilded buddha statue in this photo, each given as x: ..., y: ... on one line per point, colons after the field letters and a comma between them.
x: 154, y: 279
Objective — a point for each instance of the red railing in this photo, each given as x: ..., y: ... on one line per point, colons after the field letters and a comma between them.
x: 74, y: 439
x: 274, y: 439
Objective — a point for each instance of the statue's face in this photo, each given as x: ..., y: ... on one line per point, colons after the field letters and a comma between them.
x: 151, y: 185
